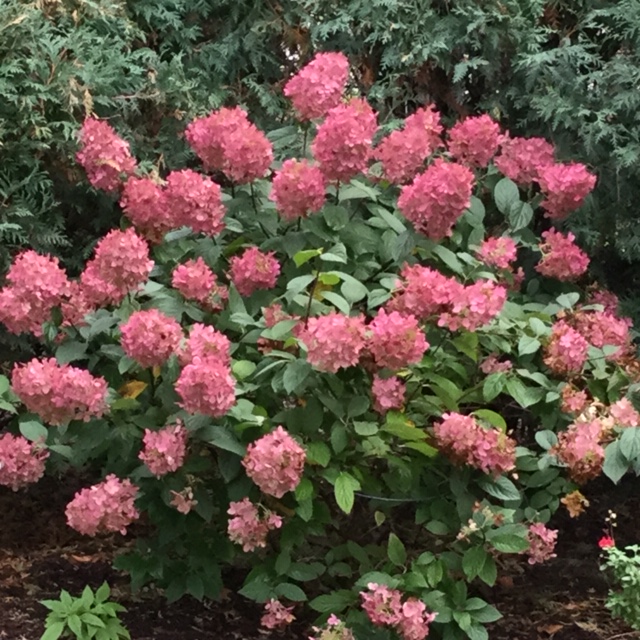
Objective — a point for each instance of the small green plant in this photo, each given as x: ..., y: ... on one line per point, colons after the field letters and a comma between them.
x: 86, y: 617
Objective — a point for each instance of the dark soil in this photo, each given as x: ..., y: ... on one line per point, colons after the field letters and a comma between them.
x: 40, y: 555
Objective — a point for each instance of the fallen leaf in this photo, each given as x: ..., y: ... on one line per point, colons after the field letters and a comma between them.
x: 550, y: 629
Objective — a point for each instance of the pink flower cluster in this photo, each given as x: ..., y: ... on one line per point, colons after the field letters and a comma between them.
x: 121, y: 265
x: 275, y: 463
x: 474, y: 305
x: 164, y: 450
x: 254, y: 270
x: 276, y: 615
x: 150, y: 337
x: 403, y: 153
x: 522, y: 159
x: 561, y: 257
x: 542, y: 543
x: 396, y: 340
x: 36, y: 285
x: 605, y: 329
x: 567, y: 350
x: 103, y: 508
x: 195, y: 281
x: 298, y: 189
x: 335, y: 630
x: 579, y: 448
x: 183, y: 501
x: 318, y: 86
x: 491, y: 364
x: 498, y: 252
x: 206, y: 342
x: 334, y: 341
x: 474, y: 141
x: 104, y: 155
x: 59, y: 393
x: 144, y: 202
x: 384, y: 607
x: 247, y: 527
x: 206, y: 386
x: 624, y: 414
x: 227, y: 141
x: 607, y: 299
x: 21, y: 462
x: 387, y: 394
x: 436, y: 198
x: 342, y: 144
x: 565, y: 187
x: 465, y: 441
x: 573, y: 400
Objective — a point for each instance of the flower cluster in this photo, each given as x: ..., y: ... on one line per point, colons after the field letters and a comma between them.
x: 567, y: 350
x: 580, y: 450
x: 183, y: 501
x: 605, y: 329
x: 205, y: 342
x: 275, y: 463
x: 164, y: 451
x: 565, y: 187
x: 498, y: 252
x: 342, y: 144
x: 384, y: 607
x: 276, y: 615
x: 335, y: 630
x: 59, y: 393
x: 474, y: 141
x: 561, y: 257
x: 143, y: 201
x: 422, y: 292
x: 387, y: 393
x: 298, y: 189
x: 522, y: 159
x: 104, y: 155
x: 206, y: 386
x: 318, y: 86
x: 150, y: 337
x: 624, y: 414
x: 21, y: 462
x: 473, y: 306
x: 573, y: 400
x: 465, y: 441
x: 227, y: 141
x: 436, y: 198
x: 247, y: 527
x: 491, y: 364
x: 542, y: 543
x: 103, y: 508
x: 254, y: 270
x: 195, y: 281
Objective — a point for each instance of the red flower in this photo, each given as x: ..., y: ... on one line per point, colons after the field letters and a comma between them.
x: 606, y: 541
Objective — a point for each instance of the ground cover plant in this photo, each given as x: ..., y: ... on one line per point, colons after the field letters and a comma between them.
x: 368, y: 365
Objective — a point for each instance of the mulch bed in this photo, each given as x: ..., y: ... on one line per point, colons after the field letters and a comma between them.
x: 40, y: 555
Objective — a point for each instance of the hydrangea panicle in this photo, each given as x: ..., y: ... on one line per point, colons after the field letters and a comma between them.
x: 565, y: 187
x: 276, y: 615
x: 150, y: 337
x: 567, y: 350
x: 298, y: 189
x: 205, y: 342
x: 206, y: 386
x: 254, y: 270
x: 580, y: 450
x: 498, y: 252
x: 542, y: 543
x: 195, y: 281
x: 164, y: 451
x: 422, y: 292
x: 21, y: 462
x: 388, y: 394
x: 561, y: 257
x: 474, y: 141
x: 522, y: 159
x: 247, y: 527
x: 144, y: 202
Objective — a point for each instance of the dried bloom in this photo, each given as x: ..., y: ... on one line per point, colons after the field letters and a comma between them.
x: 205, y: 343
x: 542, y: 543
x: 403, y: 153
x: 144, y: 202
x: 603, y: 329
x: 465, y: 441
x: 575, y: 503
x: 150, y: 337
x: 565, y: 187
x: 396, y: 340
x: 498, y: 252
x: 248, y: 527
x: 104, y: 155
x: 21, y: 462
x: 342, y: 144
x: 206, y: 386
x: 522, y: 159
x: 183, y: 501
x: 491, y: 364
x: 103, y: 508
x: 624, y: 414
x: 473, y: 306
x: 319, y: 85
x: 580, y: 450
x: 254, y: 270
x: 388, y: 393
x: 164, y: 451
x: 566, y: 351
x: 59, y: 393
x: 298, y: 189
x: 195, y: 281
x: 573, y: 400
x: 561, y: 257
x: 276, y: 615
x: 333, y: 341
x: 275, y: 463
x: 435, y: 199
x: 474, y: 141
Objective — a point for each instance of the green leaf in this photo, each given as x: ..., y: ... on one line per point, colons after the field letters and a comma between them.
x: 509, y: 543
x: 243, y: 368
x: 336, y: 217
x: 74, y: 623
x: 449, y: 258
x: 527, y: 345
x: 365, y: 428
x: 93, y: 620
x: 519, y: 215
x: 344, y: 489
x: 423, y: 448
x: 615, y: 464
x: 523, y: 395
x: 505, y: 194
x: 489, y: 572
x: 546, y: 439
x: 337, y: 301
x: 296, y: 285
x: 473, y: 561
x: 34, y: 431
x: 357, y: 190
x: 220, y: 437
x: 4, y: 385
x: 303, y: 257
x: 318, y: 453
x: 396, y: 551
x: 501, y: 488
x: 493, y: 418
x: 334, y: 602
x: 53, y: 631
x: 629, y: 443
x: 493, y: 386
x: 70, y: 351
x: 567, y: 300
x: 486, y: 614
x: 337, y: 253
x: 279, y: 330
x: 295, y: 373
x: 291, y: 592
x: 353, y: 290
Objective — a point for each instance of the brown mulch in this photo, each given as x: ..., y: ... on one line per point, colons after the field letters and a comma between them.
x: 40, y: 555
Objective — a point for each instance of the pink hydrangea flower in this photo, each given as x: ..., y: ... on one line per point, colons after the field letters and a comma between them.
x: 624, y: 414
x: 607, y: 299
x: 59, y: 393
x: 474, y: 141
x: 342, y: 144
x: 183, y: 501
x: 205, y: 342
x: 491, y: 364
x: 566, y: 351
x: 580, y: 450
x: 120, y: 266
x: 396, y: 340
x: 522, y: 159
x: 195, y: 201
x: 565, y: 187
x: 334, y: 341
x: 150, y: 337
x: 276, y: 615
x: 195, y: 281
x: 164, y: 451
x: 104, y: 155
x: 542, y: 543
x: 144, y: 202
x: 247, y: 527
x: 473, y: 306
x: 275, y: 462
x: 436, y: 198
x: 76, y: 306
x: 561, y: 257
x: 414, y: 620
x: 498, y: 252
x: 21, y: 462
x: 403, y: 153
x: 254, y: 270
x: 336, y: 629
x: 103, y: 508
x: 206, y: 386
x: 573, y: 400
x: 388, y: 393
x: 604, y: 329
x: 319, y: 85
x: 298, y: 189
x: 465, y: 441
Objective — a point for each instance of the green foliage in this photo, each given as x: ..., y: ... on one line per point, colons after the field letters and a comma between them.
x: 623, y: 567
